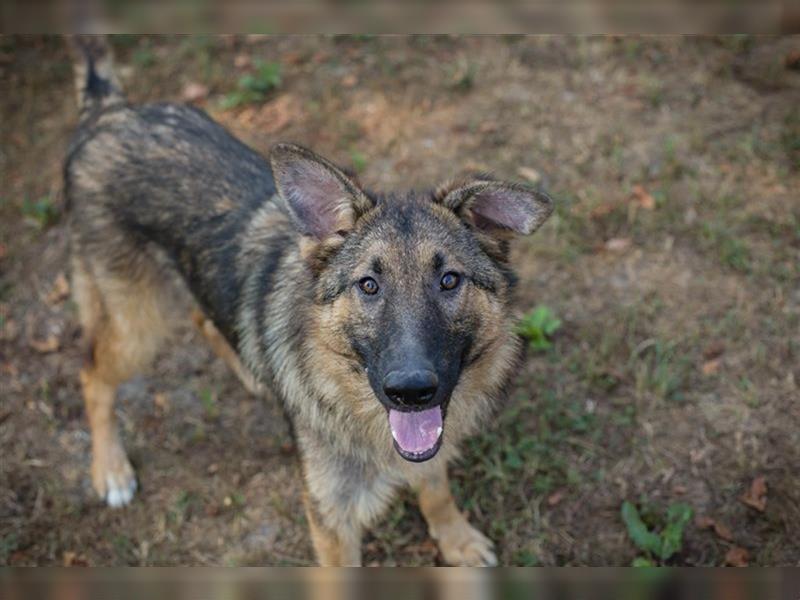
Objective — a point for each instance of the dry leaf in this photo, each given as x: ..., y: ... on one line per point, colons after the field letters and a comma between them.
x: 3, y: 251
x: 792, y: 60
x: 9, y: 331
x: 618, y: 244
x: 714, y: 350
x: 161, y: 401
x: 49, y: 344
x: 349, y: 80
x: 60, y: 289
x: 737, y: 557
x: 241, y: 61
x: 271, y: 117
x: 192, y: 92
x: 723, y: 532
x: 711, y: 367
x: 555, y: 498
x: 530, y: 174
x: 642, y: 198
x: 704, y: 522
x: 756, y: 496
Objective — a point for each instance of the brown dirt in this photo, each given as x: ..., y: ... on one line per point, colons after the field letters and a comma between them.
x: 674, y: 377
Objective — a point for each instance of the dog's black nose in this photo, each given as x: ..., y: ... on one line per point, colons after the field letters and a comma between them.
x: 411, y: 388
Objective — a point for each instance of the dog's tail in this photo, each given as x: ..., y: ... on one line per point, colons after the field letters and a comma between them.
x: 96, y: 82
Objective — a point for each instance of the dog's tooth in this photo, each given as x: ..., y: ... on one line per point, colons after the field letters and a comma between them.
x: 439, y: 431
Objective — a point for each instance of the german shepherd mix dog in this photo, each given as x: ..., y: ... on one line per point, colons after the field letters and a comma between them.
x: 381, y: 321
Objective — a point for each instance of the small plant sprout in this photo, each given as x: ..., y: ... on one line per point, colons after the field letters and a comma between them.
x: 538, y: 327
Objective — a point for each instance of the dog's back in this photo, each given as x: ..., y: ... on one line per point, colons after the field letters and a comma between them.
x: 162, y: 175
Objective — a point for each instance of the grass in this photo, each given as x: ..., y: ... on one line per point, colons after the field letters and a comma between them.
x: 660, y: 370
x: 42, y: 212
x: 731, y: 249
x: 538, y: 327
x: 254, y: 88
x: 658, y: 536
x: 210, y: 405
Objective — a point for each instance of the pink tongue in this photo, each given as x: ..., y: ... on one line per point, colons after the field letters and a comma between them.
x: 416, y: 432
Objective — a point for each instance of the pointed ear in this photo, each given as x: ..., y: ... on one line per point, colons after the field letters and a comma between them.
x: 322, y: 199
x: 497, y: 206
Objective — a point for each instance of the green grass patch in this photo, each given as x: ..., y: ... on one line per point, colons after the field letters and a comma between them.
x: 254, y: 87
x: 660, y: 369
x: 42, y: 212
x: 659, y: 536
x: 730, y: 248
x: 538, y: 327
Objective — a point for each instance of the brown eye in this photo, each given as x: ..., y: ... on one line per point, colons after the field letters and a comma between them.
x: 368, y: 285
x: 450, y: 281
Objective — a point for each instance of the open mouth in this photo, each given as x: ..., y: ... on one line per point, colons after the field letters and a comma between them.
x: 417, y: 435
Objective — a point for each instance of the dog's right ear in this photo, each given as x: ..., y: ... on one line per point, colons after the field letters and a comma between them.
x: 322, y: 199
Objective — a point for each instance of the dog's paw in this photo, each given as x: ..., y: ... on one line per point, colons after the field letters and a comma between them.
x: 113, y: 478
x: 464, y: 546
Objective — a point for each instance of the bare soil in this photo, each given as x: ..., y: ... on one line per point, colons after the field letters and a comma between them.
x: 673, y: 261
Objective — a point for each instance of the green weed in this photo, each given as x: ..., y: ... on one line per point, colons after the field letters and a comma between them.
x: 662, y: 537
x: 8, y: 545
x: 254, y: 87
x: 358, y: 159
x: 43, y: 212
x: 538, y: 327
x: 659, y: 368
x: 209, y: 399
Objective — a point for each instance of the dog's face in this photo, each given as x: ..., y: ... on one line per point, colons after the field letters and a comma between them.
x: 411, y: 289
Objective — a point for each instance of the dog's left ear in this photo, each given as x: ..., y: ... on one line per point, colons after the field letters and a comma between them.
x: 322, y: 199
x: 497, y: 207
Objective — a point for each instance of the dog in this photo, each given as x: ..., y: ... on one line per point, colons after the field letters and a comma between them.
x: 381, y: 321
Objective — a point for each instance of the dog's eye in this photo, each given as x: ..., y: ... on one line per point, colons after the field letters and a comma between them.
x: 450, y: 281
x: 368, y: 285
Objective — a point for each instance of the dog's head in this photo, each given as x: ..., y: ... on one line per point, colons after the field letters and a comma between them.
x: 411, y: 290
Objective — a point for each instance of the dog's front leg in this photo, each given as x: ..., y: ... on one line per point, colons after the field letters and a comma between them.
x: 333, y: 486
x: 336, y: 545
x: 461, y: 544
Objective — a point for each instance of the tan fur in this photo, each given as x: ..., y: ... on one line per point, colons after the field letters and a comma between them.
x: 123, y: 323
x: 223, y: 349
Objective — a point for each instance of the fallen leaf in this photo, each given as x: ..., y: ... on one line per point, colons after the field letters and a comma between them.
x: 711, y: 367
x: 349, y: 80
x: 241, y: 61
x: 161, y: 401
x: 617, y: 244
x: 294, y: 58
x: 737, y: 557
x: 642, y: 198
x: 9, y: 331
x: 60, y: 289
x: 3, y: 251
x: 530, y: 174
x: 792, y: 60
x: 555, y: 498
x: 49, y: 344
x: 602, y: 209
x: 714, y: 350
x: 704, y: 522
x: 756, y: 496
x: 271, y: 117
x: 723, y: 532
x: 193, y: 91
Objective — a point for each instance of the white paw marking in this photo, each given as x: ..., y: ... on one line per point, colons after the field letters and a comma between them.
x: 119, y: 492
